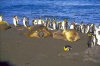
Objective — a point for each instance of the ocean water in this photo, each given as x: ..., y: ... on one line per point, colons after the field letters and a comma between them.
x: 78, y: 10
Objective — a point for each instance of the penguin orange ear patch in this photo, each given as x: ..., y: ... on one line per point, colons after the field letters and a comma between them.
x: 89, y: 35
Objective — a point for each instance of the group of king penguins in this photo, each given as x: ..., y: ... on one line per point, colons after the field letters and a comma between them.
x: 16, y: 21
x: 50, y: 24
x: 91, y: 30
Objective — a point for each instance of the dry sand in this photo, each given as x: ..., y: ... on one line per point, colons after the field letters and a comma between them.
x: 19, y: 50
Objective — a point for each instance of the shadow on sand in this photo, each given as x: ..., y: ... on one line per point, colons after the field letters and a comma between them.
x: 5, y: 63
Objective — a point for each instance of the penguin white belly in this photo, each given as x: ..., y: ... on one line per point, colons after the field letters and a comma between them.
x: 98, y: 36
x: 99, y: 27
x: 98, y: 39
x: 87, y: 29
x: 14, y: 21
x: 39, y: 22
x: 54, y: 26
x: 82, y: 29
x: 24, y: 23
x: 35, y: 22
x: 72, y: 27
x: 1, y: 19
x: 98, y: 42
x: 63, y: 26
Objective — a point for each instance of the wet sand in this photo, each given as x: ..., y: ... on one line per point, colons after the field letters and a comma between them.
x: 19, y: 50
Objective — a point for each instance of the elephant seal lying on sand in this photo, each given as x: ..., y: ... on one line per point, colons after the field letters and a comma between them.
x: 58, y: 35
x: 69, y: 35
x: 4, y: 25
x: 38, y: 32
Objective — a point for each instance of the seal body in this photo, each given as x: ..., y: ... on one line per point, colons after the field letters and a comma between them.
x: 71, y: 35
x: 4, y: 25
x: 38, y: 32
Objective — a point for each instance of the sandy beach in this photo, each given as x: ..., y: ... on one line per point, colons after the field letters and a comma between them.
x: 18, y: 50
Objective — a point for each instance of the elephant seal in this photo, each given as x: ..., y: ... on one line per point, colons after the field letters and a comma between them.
x: 71, y: 35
